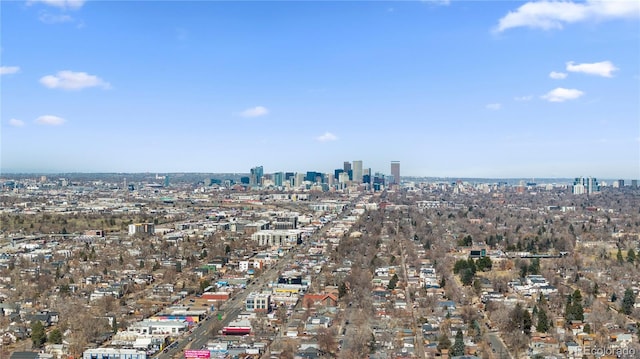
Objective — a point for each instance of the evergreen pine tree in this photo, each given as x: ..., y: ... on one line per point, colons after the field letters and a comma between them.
x: 38, y: 334
x: 393, y: 282
x: 458, y: 345
x: 567, y: 308
x: 342, y: 290
x: 631, y: 255
x: 628, y: 301
x: 543, y: 322
x: 573, y: 309
x: 55, y: 336
x: 527, y: 322
x: 577, y: 303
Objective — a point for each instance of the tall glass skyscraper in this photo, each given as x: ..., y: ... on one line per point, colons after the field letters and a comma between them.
x: 255, y: 177
x: 278, y: 178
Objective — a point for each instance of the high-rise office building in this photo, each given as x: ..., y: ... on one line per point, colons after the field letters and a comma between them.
x: 343, y: 177
x: 357, y: 171
x: 588, y: 185
x: 278, y: 178
x: 329, y: 178
x: 366, y: 178
x: 592, y: 185
x: 255, y: 177
x: 347, y: 166
x: 313, y: 177
x: 395, y: 171
x: 620, y: 183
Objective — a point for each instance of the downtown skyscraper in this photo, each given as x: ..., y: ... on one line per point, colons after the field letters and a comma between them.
x: 357, y: 171
x: 395, y: 171
x: 255, y: 176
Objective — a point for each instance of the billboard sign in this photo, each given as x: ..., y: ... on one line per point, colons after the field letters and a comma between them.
x: 199, y: 354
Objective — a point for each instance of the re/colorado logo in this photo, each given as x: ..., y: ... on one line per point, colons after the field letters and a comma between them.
x: 618, y: 352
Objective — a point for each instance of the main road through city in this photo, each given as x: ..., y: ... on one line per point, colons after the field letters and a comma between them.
x: 230, y: 310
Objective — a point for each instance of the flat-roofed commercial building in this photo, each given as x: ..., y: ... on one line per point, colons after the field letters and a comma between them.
x: 113, y: 353
x: 277, y: 237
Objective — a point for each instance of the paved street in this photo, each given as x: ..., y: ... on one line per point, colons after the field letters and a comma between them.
x: 498, y: 348
x: 232, y: 308
x: 419, y: 341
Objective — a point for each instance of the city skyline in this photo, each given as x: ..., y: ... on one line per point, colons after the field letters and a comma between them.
x: 448, y: 88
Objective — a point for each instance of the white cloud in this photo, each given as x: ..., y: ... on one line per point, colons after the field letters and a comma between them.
x: 524, y: 98
x: 494, y: 106
x: 16, y: 123
x: 50, y: 120
x: 327, y: 137
x: 603, y: 68
x: 69, y: 80
x: 557, y: 75
x: 7, y: 70
x: 49, y: 18
x: 562, y: 94
x: 549, y: 15
x: 254, y: 112
x: 62, y: 4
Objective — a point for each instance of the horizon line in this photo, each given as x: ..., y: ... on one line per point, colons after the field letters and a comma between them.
x: 533, y: 178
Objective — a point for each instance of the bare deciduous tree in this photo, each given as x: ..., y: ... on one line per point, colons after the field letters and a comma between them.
x: 327, y: 343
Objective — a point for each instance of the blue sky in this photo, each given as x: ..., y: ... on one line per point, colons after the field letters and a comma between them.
x: 449, y: 88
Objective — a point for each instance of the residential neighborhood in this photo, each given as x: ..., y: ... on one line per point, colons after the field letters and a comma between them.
x: 215, y: 269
